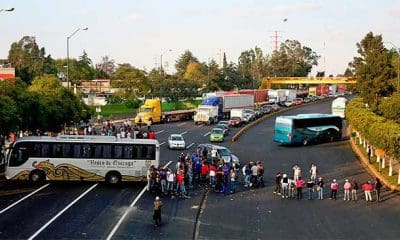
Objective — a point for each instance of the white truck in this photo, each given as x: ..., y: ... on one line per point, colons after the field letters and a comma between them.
x: 339, y: 106
x: 276, y: 96
x: 238, y: 112
x: 217, y: 107
x: 290, y: 94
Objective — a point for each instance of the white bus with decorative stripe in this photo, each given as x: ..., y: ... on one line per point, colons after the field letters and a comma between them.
x: 81, y: 158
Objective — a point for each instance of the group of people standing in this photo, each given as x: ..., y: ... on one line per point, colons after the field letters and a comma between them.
x: 292, y: 187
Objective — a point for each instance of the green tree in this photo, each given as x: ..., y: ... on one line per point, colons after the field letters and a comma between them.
x: 390, y: 108
x: 293, y: 60
x: 183, y: 61
x: 46, y: 85
x: 133, y: 80
x: 373, y: 69
x: 8, y: 116
x: 27, y: 58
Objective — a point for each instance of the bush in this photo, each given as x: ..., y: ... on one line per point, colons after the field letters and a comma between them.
x: 133, y: 103
x: 381, y: 132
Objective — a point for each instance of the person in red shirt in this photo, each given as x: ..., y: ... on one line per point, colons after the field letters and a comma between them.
x: 367, y: 187
x: 204, y: 172
x: 180, y: 184
x: 152, y: 135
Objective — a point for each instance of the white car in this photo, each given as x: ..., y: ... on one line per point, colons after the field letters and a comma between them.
x: 176, y: 141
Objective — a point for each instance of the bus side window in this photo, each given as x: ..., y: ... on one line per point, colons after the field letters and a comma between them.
x: 66, y: 150
x: 98, y: 151
x: 139, y: 151
x: 77, y: 151
x: 150, y: 152
x: 117, y: 151
x: 128, y: 151
x: 45, y: 150
x: 36, y: 150
x: 86, y: 151
x: 106, y: 151
x: 57, y: 150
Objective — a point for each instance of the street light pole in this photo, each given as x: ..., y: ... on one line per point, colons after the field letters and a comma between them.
x: 161, y: 55
x: 69, y: 37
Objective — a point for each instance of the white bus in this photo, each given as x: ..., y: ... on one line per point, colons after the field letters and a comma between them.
x: 81, y: 158
x: 339, y: 106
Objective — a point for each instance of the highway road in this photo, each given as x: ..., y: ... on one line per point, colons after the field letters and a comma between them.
x: 91, y: 211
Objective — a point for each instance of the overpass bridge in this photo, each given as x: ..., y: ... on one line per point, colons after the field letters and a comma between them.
x: 267, y: 82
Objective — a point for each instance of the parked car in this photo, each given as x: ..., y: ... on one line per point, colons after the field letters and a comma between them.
x: 289, y: 103
x: 217, y: 135
x: 235, y: 122
x: 307, y: 100
x: 275, y: 107
x: 249, y: 115
x: 267, y: 109
x: 258, y: 112
x: 224, y: 122
x: 222, y: 152
x: 298, y: 101
x: 224, y: 127
x: 176, y: 141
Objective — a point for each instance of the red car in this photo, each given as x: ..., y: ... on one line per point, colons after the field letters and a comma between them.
x: 235, y: 122
x: 298, y: 101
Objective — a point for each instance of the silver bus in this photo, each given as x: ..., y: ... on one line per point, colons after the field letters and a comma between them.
x: 81, y: 158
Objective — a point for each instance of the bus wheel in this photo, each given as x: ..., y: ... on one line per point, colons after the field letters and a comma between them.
x: 305, y: 141
x: 113, y: 178
x: 36, y: 176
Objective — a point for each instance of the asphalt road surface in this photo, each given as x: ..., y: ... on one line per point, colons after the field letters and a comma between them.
x: 91, y: 211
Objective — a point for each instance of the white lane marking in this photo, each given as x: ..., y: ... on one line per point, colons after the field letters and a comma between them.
x: 183, y: 133
x: 162, y: 143
x: 61, y: 212
x: 160, y: 131
x: 180, y: 124
x: 114, y: 230
x: 22, y: 199
x: 206, y: 134
x: 190, y: 145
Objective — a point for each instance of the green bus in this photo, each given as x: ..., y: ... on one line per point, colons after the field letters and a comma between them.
x: 308, y: 128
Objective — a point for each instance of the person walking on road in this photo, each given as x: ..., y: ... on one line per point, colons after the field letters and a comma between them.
x: 377, y: 188
x: 334, y: 189
x: 346, y: 188
x: 354, y: 188
x: 254, y: 172
x: 278, y: 178
x: 296, y: 172
x: 313, y: 173
x: 299, y: 187
x: 232, y: 178
x: 285, y: 186
x: 292, y: 187
x: 367, y: 187
x: 310, y: 191
x: 247, y: 175
x: 320, y: 188
x: 157, y: 212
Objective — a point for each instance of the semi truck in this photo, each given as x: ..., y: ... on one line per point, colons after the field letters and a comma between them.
x: 276, y: 96
x: 218, y: 107
x: 151, y: 112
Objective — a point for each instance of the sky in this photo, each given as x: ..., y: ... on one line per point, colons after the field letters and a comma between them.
x: 140, y: 31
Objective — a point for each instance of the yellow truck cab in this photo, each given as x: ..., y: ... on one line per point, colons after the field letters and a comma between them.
x: 150, y: 112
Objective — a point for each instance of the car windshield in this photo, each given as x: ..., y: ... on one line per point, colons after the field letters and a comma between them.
x: 145, y: 110
x: 217, y: 131
x: 222, y: 126
x: 177, y: 138
x: 235, y: 118
x: 224, y: 152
